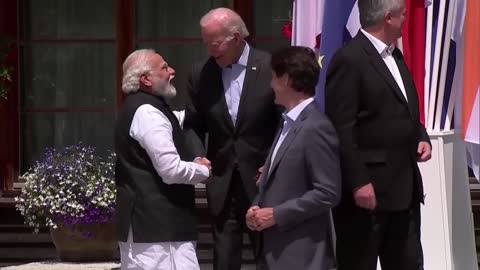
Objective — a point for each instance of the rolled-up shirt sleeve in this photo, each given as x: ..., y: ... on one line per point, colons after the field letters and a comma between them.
x: 153, y: 131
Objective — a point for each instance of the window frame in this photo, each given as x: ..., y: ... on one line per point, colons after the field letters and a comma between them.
x: 11, y: 110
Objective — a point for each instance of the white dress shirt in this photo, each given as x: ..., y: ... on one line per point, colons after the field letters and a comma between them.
x: 153, y: 131
x: 385, y: 52
x: 233, y: 78
x: 288, y: 119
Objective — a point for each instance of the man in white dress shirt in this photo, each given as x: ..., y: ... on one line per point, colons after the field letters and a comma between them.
x: 155, y: 221
x: 301, y: 180
x: 372, y: 102
x: 232, y: 101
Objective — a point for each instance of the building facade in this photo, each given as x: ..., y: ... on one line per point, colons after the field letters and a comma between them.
x: 65, y: 58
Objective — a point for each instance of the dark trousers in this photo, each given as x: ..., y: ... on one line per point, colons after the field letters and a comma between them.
x: 363, y: 236
x: 229, y: 227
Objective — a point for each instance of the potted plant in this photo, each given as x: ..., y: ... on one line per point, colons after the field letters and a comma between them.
x: 73, y: 193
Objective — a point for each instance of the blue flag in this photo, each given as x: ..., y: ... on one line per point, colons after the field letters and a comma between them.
x: 334, y: 34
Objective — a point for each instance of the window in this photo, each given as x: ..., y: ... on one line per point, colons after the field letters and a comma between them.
x: 269, y: 18
x: 68, y: 87
x: 67, y: 64
x: 172, y: 29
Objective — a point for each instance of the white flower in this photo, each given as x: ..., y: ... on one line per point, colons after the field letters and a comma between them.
x: 52, y: 186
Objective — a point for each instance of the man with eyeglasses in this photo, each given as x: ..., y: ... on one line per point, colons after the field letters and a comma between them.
x: 232, y: 101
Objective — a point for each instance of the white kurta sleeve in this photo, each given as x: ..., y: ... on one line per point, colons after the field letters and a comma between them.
x: 153, y: 131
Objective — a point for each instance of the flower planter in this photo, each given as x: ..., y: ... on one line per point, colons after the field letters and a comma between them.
x: 85, y: 242
x: 73, y: 191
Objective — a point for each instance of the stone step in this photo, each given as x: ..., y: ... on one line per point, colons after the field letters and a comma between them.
x: 24, y: 236
x: 32, y: 254
x: 205, y: 241
x: 29, y: 254
x: 18, y: 244
x: 476, y: 204
x: 18, y: 238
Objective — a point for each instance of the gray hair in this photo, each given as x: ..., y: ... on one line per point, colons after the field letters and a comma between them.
x: 136, y: 64
x: 373, y: 11
x: 231, y: 21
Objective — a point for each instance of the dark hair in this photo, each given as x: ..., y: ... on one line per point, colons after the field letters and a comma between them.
x: 301, y: 66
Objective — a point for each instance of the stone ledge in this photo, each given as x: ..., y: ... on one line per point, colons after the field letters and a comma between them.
x: 58, y: 265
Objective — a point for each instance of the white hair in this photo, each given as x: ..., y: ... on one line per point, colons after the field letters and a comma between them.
x: 373, y: 11
x: 231, y: 21
x: 136, y: 64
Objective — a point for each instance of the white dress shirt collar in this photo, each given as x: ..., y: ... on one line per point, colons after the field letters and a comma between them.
x: 382, y: 48
x: 243, y: 60
x: 297, y: 110
x: 385, y: 52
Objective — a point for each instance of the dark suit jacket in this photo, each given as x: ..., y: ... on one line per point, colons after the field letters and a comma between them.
x: 379, y: 130
x: 243, y: 145
x: 302, y: 185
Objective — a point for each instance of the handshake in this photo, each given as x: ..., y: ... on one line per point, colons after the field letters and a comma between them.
x: 205, y: 162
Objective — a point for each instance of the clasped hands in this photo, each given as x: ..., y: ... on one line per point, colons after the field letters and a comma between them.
x: 259, y: 219
x: 205, y: 162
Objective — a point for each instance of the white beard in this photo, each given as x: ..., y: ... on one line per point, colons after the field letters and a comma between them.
x: 165, y: 89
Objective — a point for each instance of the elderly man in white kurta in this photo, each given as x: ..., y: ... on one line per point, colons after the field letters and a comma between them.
x: 155, y: 221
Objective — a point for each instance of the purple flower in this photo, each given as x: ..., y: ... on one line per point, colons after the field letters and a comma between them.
x: 64, y: 187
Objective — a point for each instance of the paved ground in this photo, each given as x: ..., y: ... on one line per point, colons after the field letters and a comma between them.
x: 210, y: 267
x: 56, y: 265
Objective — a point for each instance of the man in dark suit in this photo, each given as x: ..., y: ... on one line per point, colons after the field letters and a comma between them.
x: 232, y: 101
x: 301, y: 181
x: 372, y: 102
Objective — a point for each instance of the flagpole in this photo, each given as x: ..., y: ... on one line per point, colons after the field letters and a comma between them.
x: 428, y: 57
x: 457, y: 84
x: 443, y: 70
x: 436, y: 65
x: 294, y: 24
x: 451, y: 104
